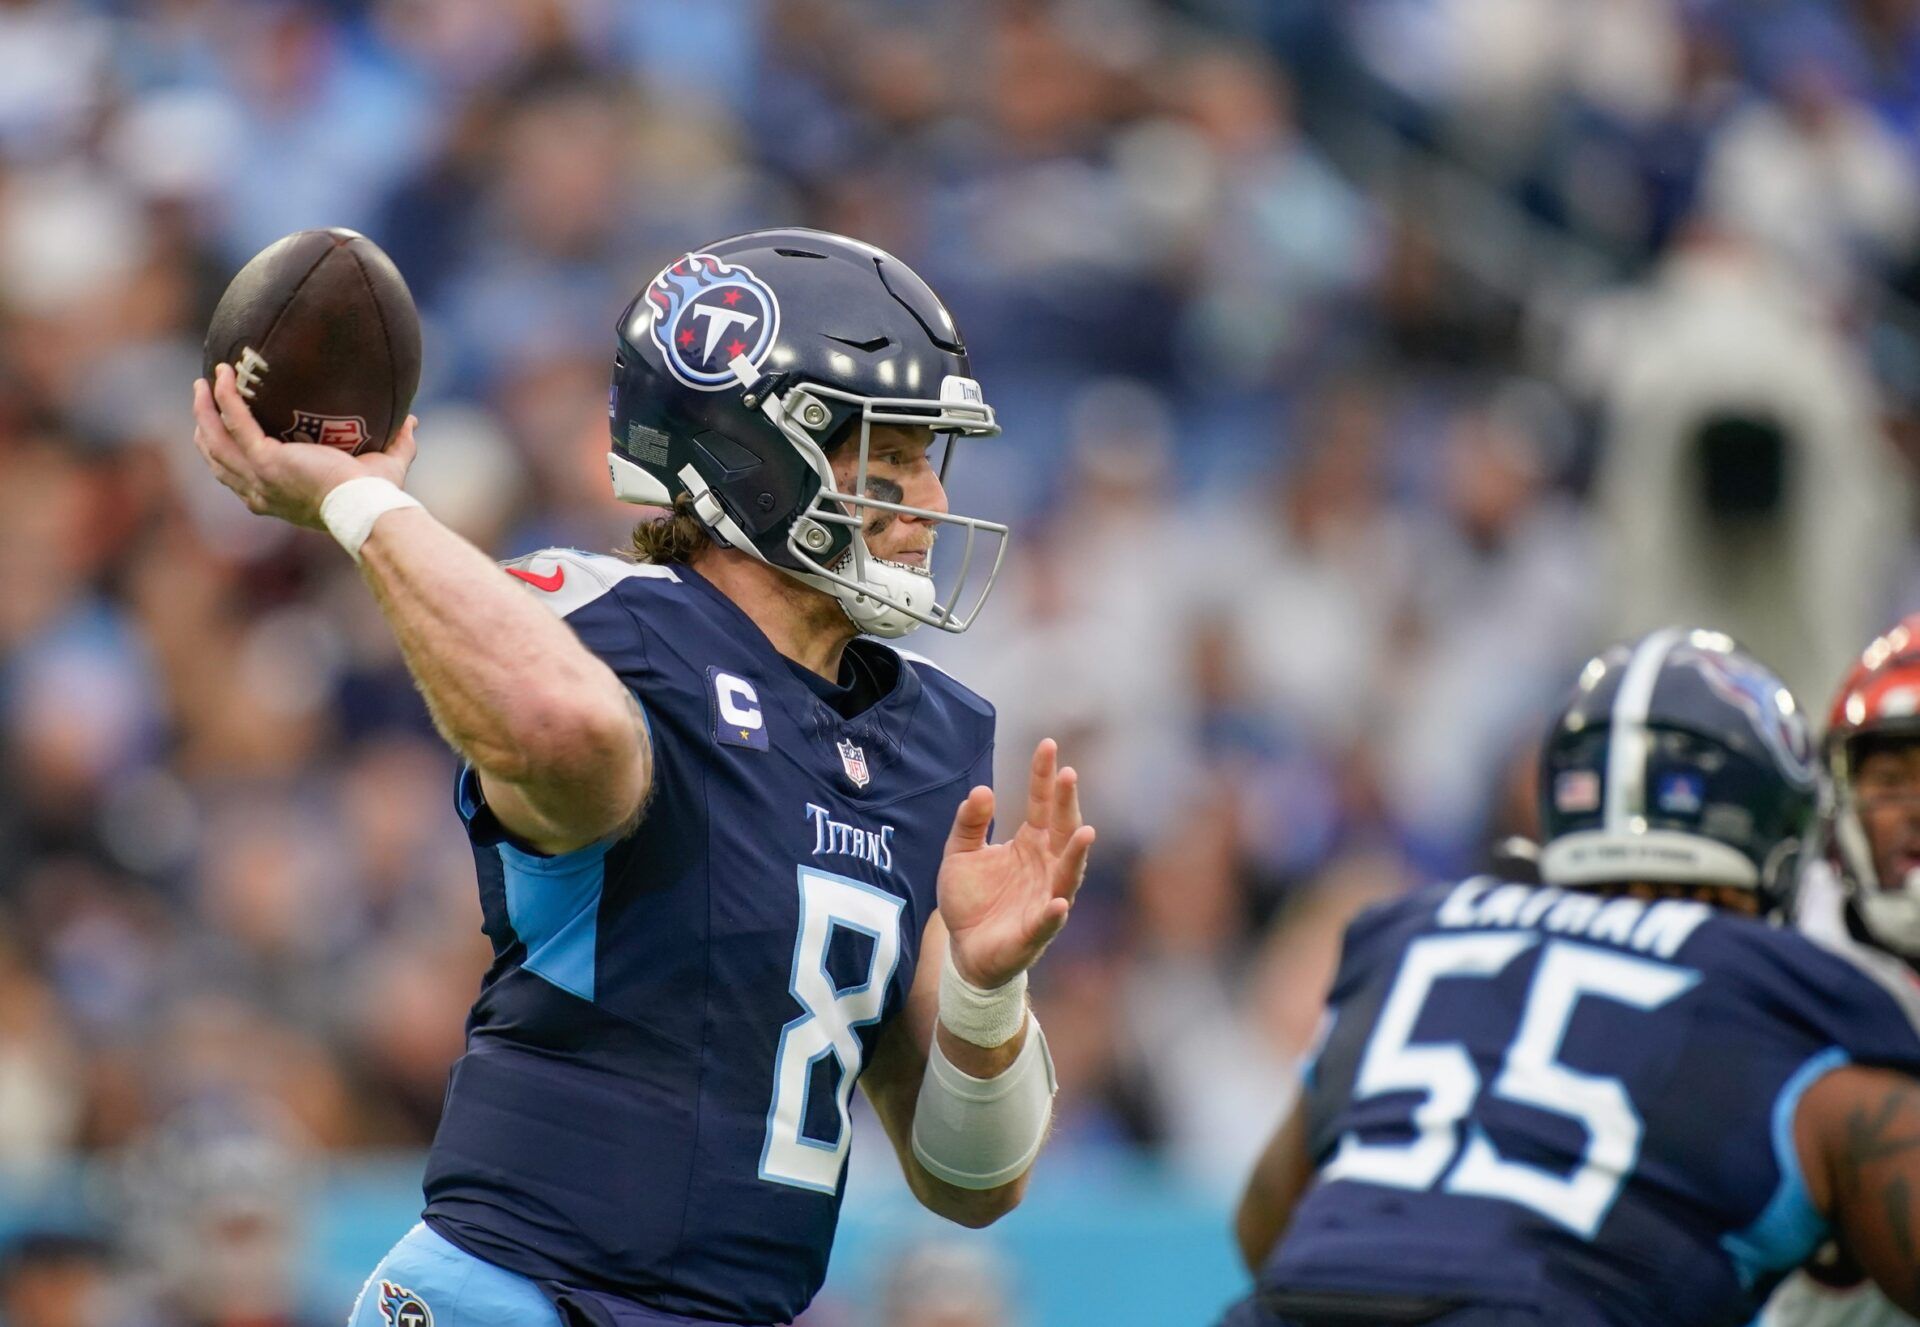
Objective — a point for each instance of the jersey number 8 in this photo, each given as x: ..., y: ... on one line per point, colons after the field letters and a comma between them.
x: 1532, y: 1075
x: 828, y: 1027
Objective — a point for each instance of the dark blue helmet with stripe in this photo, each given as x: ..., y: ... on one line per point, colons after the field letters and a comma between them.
x: 1679, y: 759
x: 745, y: 363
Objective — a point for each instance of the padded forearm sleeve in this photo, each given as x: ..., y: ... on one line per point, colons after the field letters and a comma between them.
x: 980, y: 1133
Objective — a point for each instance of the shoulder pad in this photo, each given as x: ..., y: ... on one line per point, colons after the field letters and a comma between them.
x: 1416, y: 907
x: 925, y: 666
x: 1887, y: 972
x: 566, y: 579
x: 914, y: 656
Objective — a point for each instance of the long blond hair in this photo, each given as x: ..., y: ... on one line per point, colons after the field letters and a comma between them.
x: 676, y: 536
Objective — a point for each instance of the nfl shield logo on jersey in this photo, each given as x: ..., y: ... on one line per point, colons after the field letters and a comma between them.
x: 400, y: 1307
x: 854, y: 761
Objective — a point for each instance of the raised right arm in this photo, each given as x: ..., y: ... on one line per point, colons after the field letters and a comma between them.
x: 558, y: 741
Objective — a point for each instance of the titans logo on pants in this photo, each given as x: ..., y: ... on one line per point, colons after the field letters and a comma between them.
x: 706, y: 314
x: 400, y: 1307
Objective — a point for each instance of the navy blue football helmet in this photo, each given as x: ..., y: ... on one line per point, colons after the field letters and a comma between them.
x: 1679, y: 758
x: 742, y: 364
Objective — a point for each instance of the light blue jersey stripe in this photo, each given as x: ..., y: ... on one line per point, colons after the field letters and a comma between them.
x: 1789, y: 1228
x: 554, y: 905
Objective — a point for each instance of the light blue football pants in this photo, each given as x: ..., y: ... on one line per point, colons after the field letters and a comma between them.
x: 426, y: 1282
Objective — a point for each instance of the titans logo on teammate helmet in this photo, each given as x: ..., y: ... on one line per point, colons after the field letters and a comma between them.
x: 400, y: 1307
x: 706, y: 314
x: 1779, y: 723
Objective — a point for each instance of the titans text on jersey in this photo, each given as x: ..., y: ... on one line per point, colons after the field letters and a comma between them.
x: 1602, y: 1088
x: 652, y: 1112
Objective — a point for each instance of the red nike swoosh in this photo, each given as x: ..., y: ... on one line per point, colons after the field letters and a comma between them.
x: 549, y: 583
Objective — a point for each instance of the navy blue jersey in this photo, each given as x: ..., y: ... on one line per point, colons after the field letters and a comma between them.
x: 1583, y: 1105
x: 653, y: 1100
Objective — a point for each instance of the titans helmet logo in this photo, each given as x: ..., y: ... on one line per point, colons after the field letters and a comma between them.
x: 400, y: 1307
x: 1767, y: 704
x: 706, y: 314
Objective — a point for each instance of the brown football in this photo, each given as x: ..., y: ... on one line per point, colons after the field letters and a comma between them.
x: 323, y: 338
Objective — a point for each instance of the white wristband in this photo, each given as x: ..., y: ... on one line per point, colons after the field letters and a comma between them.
x: 350, y: 510
x: 985, y: 1018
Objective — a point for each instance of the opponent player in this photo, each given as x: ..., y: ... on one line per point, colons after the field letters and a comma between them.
x: 1866, y: 889
x: 1618, y: 1097
x: 717, y: 829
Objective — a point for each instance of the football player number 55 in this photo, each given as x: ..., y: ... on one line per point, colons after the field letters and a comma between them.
x: 1531, y: 1074
x: 828, y: 1026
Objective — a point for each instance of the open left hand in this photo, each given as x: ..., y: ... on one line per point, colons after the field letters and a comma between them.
x: 274, y: 478
x: 1003, y: 902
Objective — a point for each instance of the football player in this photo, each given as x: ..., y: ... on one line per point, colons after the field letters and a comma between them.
x: 1619, y: 1096
x: 733, y: 849
x: 1865, y: 889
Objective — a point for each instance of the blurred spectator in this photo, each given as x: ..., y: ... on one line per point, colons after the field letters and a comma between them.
x: 40, y: 1075
x: 1320, y: 543
x: 215, y: 1196
x: 52, y: 61
x: 327, y: 125
x: 546, y: 229
x: 945, y: 1284
x: 1278, y: 238
x: 1499, y: 612
x: 55, y: 1280
x: 1814, y: 175
x: 471, y: 475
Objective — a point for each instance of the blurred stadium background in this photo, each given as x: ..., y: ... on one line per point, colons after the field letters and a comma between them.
x: 1364, y: 363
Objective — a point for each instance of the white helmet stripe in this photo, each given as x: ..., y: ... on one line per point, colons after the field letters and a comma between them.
x: 1624, y: 808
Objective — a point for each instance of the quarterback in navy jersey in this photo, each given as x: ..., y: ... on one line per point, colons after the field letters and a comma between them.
x: 1621, y: 1096
x: 733, y: 849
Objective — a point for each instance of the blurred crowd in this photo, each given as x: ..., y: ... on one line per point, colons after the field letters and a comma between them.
x: 1364, y: 363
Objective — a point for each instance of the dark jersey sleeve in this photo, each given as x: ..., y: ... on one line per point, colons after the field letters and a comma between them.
x: 1863, y: 1003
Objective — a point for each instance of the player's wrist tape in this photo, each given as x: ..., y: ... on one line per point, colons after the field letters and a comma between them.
x: 985, y: 1018
x: 980, y: 1133
x: 350, y: 510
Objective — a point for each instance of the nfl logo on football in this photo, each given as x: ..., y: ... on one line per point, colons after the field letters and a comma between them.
x: 854, y: 761
x: 346, y: 432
